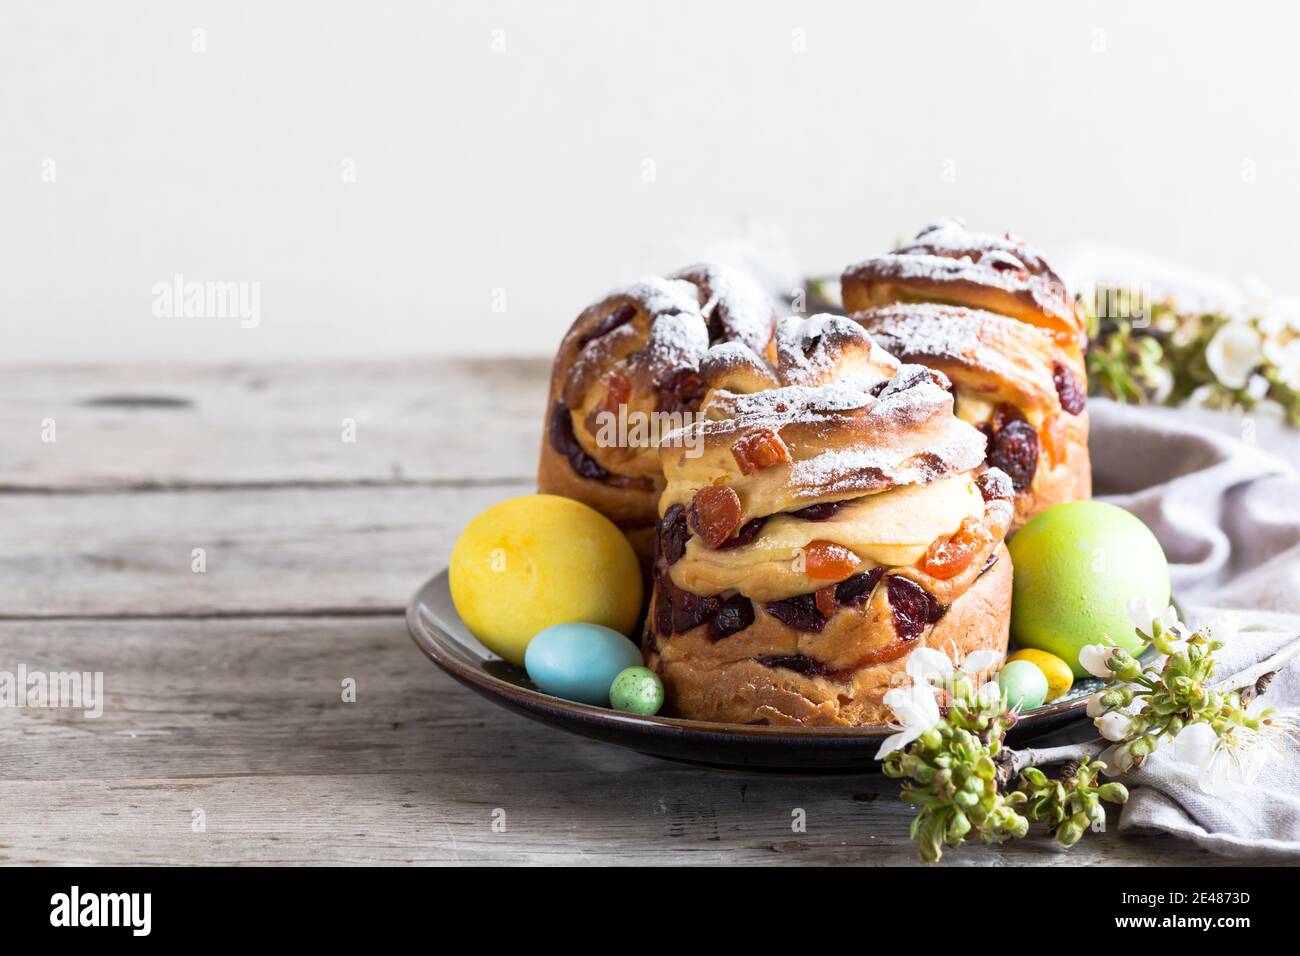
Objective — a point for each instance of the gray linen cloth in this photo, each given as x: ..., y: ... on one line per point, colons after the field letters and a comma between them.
x: 1222, y: 493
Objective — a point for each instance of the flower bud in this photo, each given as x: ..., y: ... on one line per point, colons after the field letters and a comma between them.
x: 1097, y: 704
x: 1114, y: 725
x: 958, y: 827
x: 1069, y: 832
x: 1113, y: 792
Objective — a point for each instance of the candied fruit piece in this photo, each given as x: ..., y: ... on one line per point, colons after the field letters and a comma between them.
x: 824, y: 598
x: 715, y: 514
x: 948, y: 557
x: 762, y: 449
x: 828, y: 560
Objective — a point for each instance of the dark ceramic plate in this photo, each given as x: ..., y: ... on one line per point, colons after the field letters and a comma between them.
x: 438, y: 631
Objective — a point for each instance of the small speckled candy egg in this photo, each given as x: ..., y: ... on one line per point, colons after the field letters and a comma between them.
x: 1059, y: 676
x: 637, y: 690
x: 1024, y: 685
x: 579, y: 661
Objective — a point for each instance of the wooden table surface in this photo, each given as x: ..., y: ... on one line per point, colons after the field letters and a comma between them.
x: 224, y: 688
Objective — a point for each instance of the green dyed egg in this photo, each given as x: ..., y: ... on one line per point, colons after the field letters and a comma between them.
x: 1077, y: 566
x: 637, y: 690
x: 1023, y: 684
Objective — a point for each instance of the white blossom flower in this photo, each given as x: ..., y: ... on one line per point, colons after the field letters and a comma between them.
x: 1225, y: 627
x: 989, y: 694
x: 1285, y: 356
x: 1093, y: 658
x: 1198, y: 745
x: 1161, y: 383
x: 1235, y: 351
x: 1114, y: 726
x: 1096, y: 707
x: 925, y: 665
x: 1208, y: 396
x: 1235, y: 756
x: 980, y: 660
x: 1258, y: 295
x: 1142, y: 612
x: 916, y: 711
x: 1117, y: 758
x: 1257, y: 387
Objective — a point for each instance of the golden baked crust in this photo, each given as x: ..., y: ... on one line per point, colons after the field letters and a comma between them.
x: 627, y: 372
x: 1003, y: 370
x: 947, y: 264
x: 824, y: 530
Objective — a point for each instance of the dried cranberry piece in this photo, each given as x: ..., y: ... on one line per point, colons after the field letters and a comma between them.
x: 560, y: 433
x: 1015, y: 451
x: 824, y: 598
x: 1069, y: 389
x: 799, y: 663
x: 994, y: 485
x: 914, y: 607
x: 855, y: 590
x: 678, y: 390
x: 747, y: 533
x: 993, y: 559
x: 734, y: 615
x: 1003, y: 415
x: 691, y: 610
x: 673, y: 533
x: 621, y: 316
x: 819, y: 512
x: 664, y: 609
x: 799, y: 612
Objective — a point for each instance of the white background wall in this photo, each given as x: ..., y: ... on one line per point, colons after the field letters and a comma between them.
x: 1170, y: 127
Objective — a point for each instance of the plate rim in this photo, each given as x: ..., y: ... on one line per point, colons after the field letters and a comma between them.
x: 535, y: 699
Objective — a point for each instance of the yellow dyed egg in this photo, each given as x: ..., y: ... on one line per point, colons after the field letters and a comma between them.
x: 538, y: 560
x: 1059, y: 676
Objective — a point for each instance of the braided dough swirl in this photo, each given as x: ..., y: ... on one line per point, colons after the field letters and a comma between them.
x: 990, y: 314
x: 627, y: 372
x: 824, y: 521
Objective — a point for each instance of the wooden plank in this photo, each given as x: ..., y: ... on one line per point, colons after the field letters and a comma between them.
x: 151, y: 426
x: 652, y: 815
x: 274, y: 550
x: 244, y: 721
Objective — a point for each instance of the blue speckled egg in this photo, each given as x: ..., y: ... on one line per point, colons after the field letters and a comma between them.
x: 579, y: 661
x: 1024, y: 684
